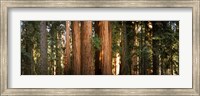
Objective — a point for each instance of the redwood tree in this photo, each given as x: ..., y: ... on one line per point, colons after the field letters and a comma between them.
x: 43, y: 49
x: 76, y: 46
x: 105, y: 37
x: 86, y: 48
x: 67, y: 50
x: 124, y: 66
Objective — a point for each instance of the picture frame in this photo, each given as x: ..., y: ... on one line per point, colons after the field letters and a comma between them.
x: 6, y: 4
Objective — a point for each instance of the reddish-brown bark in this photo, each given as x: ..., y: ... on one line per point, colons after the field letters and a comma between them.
x: 67, y: 50
x: 86, y: 48
x: 76, y: 46
x: 105, y: 37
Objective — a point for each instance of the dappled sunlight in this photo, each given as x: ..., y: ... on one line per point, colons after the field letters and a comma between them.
x: 99, y: 47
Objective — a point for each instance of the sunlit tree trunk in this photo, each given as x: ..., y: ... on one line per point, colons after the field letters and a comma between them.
x: 86, y: 48
x: 67, y: 49
x: 76, y: 46
x: 43, y: 49
x: 105, y: 37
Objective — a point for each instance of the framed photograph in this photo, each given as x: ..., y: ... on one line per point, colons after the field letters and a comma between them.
x: 91, y: 47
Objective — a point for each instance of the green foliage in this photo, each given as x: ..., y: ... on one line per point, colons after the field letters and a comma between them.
x: 96, y: 42
x: 116, y: 38
x: 25, y: 54
x: 166, y: 35
x: 168, y: 45
x: 29, y: 42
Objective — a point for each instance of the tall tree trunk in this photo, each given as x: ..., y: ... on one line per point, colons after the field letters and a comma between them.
x: 76, y: 46
x: 43, y: 49
x: 86, y: 48
x: 124, y: 66
x: 155, y: 49
x: 134, y: 51
x: 105, y: 36
x: 67, y: 49
x: 150, y: 25
x: 141, y: 68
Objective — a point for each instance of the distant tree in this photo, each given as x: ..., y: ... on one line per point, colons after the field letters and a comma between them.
x: 100, y: 47
x: 116, y: 48
x: 27, y: 47
x: 67, y: 64
x: 58, y: 51
x: 155, y: 42
x: 148, y: 43
x: 124, y: 67
x: 43, y: 49
x: 52, y: 50
x: 135, y: 48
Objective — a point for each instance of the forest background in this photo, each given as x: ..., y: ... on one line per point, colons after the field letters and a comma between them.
x: 99, y: 47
